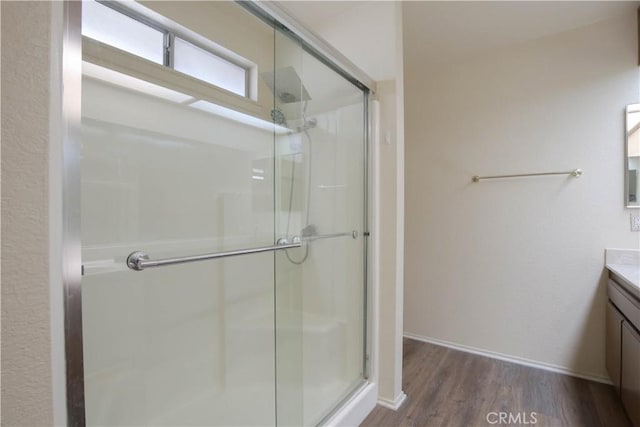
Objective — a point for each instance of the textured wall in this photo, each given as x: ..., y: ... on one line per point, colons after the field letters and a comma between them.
x: 358, y: 29
x: 26, y: 364
x: 388, y: 354
x: 516, y: 266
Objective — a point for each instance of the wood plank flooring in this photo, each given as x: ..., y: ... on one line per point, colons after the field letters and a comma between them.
x: 451, y: 388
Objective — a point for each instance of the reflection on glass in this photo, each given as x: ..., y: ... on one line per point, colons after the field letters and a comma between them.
x: 632, y: 178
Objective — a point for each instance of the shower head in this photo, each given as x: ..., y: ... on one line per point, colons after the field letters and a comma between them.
x: 287, y: 85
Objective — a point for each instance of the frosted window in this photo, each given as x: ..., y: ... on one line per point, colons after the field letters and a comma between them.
x: 108, y: 26
x: 204, y: 65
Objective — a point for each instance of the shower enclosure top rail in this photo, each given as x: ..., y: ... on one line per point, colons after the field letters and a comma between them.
x: 139, y: 261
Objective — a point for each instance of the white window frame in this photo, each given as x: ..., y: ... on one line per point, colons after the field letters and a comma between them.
x: 171, y: 30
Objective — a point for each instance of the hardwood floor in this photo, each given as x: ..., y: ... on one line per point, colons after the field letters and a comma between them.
x: 447, y: 387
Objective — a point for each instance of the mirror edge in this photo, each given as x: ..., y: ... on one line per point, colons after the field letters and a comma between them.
x: 629, y: 108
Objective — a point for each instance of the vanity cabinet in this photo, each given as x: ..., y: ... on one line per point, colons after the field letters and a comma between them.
x: 623, y: 347
x: 630, y: 374
x: 614, y: 344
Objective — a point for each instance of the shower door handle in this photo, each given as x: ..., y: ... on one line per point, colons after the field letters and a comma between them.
x: 139, y: 261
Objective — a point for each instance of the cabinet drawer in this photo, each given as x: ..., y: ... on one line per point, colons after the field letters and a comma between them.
x: 630, y: 373
x: 629, y: 306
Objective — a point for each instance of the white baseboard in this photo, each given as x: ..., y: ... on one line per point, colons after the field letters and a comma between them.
x: 354, y: 411
x: 393, y: 404
x: 513, y: 359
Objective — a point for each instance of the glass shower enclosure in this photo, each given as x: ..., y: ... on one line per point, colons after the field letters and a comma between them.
x: 223, y: 219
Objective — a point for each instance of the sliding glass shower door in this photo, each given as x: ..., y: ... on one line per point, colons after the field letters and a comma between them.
x: 223, y: 219
x: 320, y: 197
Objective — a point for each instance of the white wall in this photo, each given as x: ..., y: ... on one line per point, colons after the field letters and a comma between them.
x: 26, y: 353
x: 390, y: 350
x: 391, y: 214
x: 516, y: 266
x: 364, y: 33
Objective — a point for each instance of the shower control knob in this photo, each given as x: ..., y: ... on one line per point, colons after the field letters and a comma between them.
x: 284, y: 241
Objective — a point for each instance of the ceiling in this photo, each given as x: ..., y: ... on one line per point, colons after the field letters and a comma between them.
x: 449, y: 31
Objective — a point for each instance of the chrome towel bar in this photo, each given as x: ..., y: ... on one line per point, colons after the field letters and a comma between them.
x: 575, y: 173
x: 139, y: 261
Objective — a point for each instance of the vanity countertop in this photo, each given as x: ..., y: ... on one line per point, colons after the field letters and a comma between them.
x: 625, y: 265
